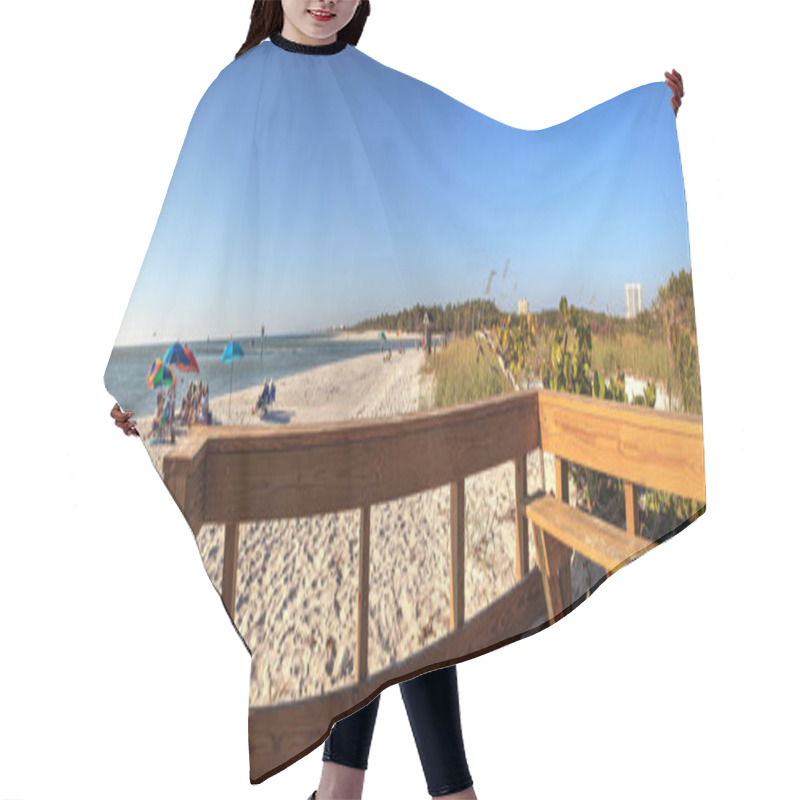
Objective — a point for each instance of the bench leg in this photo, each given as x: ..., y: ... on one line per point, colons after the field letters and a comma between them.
x: 541, y: 557
x: 558, y: 559
x: 554, y: 564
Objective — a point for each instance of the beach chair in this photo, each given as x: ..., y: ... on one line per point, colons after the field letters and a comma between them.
x: 266, y: 398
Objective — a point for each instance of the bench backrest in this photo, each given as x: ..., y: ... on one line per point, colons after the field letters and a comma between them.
x: 656, y: 449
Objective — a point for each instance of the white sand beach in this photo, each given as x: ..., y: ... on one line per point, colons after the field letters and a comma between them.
x: 297, y: 582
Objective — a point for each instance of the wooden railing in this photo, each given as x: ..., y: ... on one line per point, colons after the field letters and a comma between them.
x: 230, y: 475
x: 236, y: 474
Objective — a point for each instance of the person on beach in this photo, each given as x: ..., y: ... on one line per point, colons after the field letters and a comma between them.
x: 431, y: 698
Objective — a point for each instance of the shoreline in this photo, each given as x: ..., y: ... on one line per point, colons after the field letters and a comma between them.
x: 372, y: 335
x: 352, y: 388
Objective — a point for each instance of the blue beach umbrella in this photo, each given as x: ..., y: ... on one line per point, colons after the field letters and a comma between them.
x: 181, y: 358
x: 177, y: 355
x: 233, y: 352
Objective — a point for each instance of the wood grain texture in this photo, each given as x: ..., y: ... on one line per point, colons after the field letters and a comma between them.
x: 544, y: 569
x: 229, y: 568
x: 185, y: 477
x: 271, y: 474
x: 362, y: 622
x: 559, y: 555
x: 632, y: 514
x: 603, y: 543
x: 522, y: 565
x: 651, y: 448
x: 457, y: 506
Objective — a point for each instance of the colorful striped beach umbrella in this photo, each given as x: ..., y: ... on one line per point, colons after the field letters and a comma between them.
x: 160, y: 375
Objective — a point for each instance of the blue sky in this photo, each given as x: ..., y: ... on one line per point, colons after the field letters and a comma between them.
x: 314, y: 191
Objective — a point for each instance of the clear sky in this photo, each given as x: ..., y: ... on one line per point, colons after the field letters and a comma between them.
x: 317, y: 190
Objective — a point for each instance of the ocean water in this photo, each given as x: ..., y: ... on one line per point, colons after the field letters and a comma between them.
x: 126, y: 374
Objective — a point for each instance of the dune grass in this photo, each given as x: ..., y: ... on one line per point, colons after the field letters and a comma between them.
x: 632, y: 353
x: 464, y: 372
x: 643, y: 357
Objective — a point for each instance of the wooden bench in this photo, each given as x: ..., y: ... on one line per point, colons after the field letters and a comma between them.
x: 608, y: 545
x: 641, y: 446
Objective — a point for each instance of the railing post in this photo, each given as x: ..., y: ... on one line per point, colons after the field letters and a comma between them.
x: 632, y: 508
x: 456, y: 554
x: 363, y: 596
x: 229, y: 559
x: 562, y: 479
x: 520, y: 491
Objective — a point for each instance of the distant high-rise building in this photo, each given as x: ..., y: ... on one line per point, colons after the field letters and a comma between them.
x: 633, y: 300
x: 522, y: 306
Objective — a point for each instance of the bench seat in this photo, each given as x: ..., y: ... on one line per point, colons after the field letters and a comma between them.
x: 605, y: 544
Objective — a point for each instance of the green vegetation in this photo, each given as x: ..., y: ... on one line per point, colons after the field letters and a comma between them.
x: 515, y: 342
x: 674, y: 312
x: 465, y: 371
x: 461, y: 319
x: 659, y: 344
x: 569, y: 369
x: 631, y: 353
x: 581, y: 351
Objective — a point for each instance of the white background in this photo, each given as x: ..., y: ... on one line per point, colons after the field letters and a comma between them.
x: 120, y: 674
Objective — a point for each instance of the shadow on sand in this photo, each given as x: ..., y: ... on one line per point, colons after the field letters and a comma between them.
x: 276, y: 417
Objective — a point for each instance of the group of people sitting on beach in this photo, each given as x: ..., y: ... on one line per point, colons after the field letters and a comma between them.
x: 266, y: 398
x: 194, y: 406
x: 194, y: 411
x: 165, y: 412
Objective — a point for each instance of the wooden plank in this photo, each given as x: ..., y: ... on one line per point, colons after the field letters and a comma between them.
x: 185, y: 478
x: 315, y: 470
x: 559, y: 556
x: 362, y: 664
x: 520, y: 492
x: 457, y: 507
x: 632, y: 508
x: 280, y: 735
x: 229, y: 564
x: 544, y: 569
x: 658, y: 449
x: 558, y: 576
x: 599, y: 541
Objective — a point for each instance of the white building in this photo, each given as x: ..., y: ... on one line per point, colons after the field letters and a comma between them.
x: 633, y: 300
